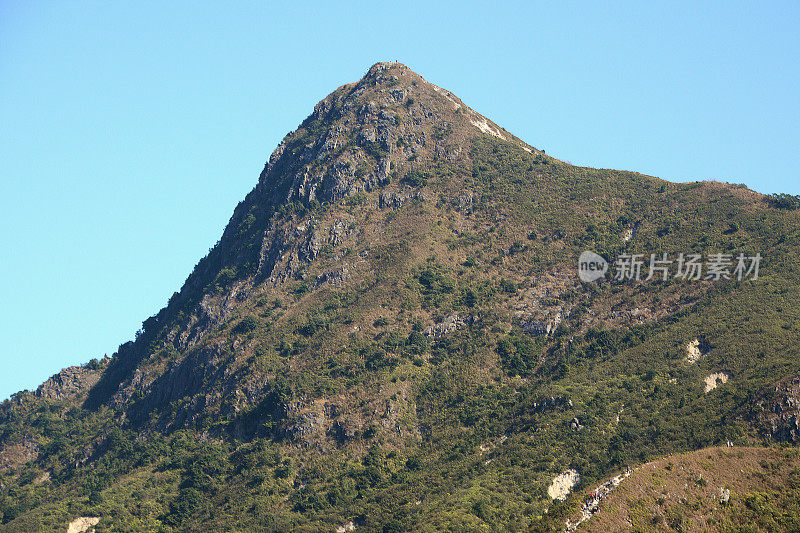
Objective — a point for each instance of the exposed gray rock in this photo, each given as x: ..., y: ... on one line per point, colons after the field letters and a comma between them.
x: 344, y: 430
x: 305, y: 425
x: 336, y: 277
x: 309, y: 249
x: 341, y: 230
x: 448, y: 325
x: 396, y: 199
x: 534, y: 327
x: 552, y: 403
x: 373, y: 181
x: 367, y: 135
x: 68, y: 384
x: 465, y: 203
x: 339, y: 181
x: 780, y: 412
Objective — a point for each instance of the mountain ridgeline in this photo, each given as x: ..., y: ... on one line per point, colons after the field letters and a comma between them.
x: 392, y: 335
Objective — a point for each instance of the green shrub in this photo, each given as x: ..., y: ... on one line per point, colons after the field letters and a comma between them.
x: 225, y: 277
x: 416, y: 178
x: 509, y: 287
x: 518, y: 354
x: 784, y: 201
x: 246, y: 325
x: 435, y: 283
x: 469, y: 298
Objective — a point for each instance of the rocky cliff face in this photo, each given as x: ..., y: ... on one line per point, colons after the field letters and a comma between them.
x: 69, y: 384
x: 778, y: 412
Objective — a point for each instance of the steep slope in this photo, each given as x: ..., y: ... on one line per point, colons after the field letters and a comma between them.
x: 391, y: 332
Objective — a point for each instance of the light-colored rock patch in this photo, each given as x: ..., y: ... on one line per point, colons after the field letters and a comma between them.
x: 482, y: 124
x: 456, y: 105
x: 83, y: 524
x: 563, y: 484
x: 491, y: 445
x: 693, y: 353
x: 344, y: 528
x: 628, y: 235
x: 715, y: 379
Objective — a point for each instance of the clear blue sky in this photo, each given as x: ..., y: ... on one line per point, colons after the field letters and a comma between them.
x: 130, y: 130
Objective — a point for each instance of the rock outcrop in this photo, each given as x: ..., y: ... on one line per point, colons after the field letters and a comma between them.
x: 69, y: 383
x: 778, y: 412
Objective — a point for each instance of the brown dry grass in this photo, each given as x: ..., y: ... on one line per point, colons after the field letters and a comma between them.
x: 686, y: 487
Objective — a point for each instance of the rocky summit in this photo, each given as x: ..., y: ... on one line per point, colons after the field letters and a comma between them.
x: 392, y: 334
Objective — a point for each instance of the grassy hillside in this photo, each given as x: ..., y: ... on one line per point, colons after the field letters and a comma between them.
x: 713, y: 489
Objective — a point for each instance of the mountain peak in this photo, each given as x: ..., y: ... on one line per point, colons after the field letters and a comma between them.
x: 382, y: 66
x: 364, y: 133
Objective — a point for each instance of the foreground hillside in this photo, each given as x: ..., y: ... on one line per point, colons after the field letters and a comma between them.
x: 391, y: 334
x: 713, y: 489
